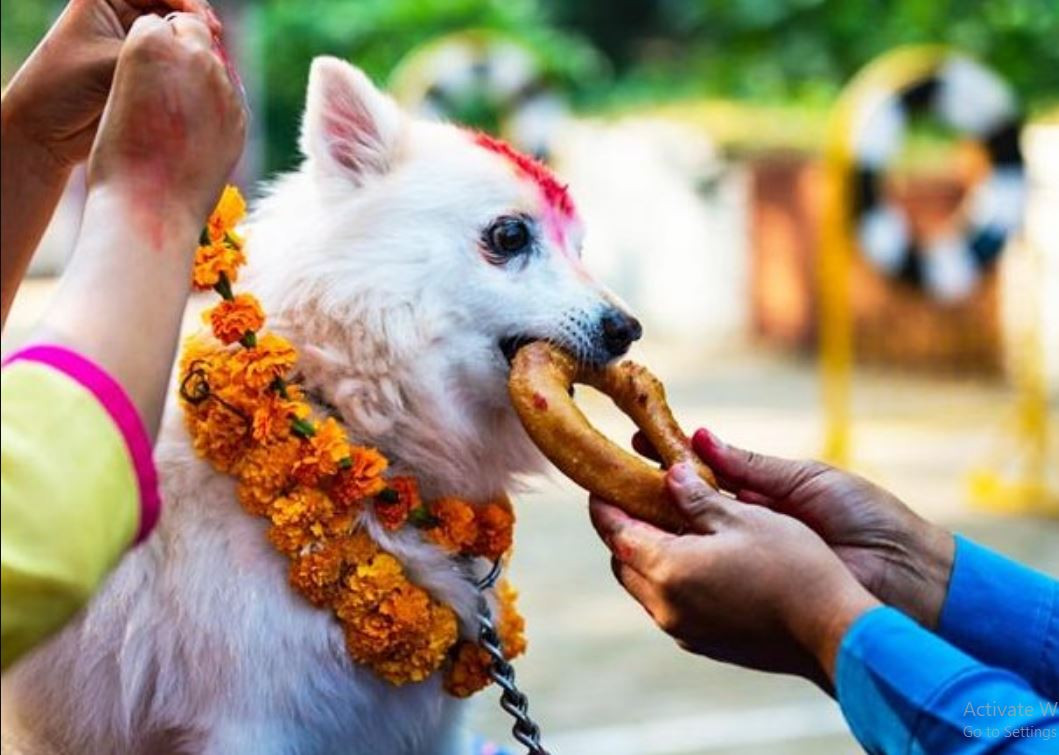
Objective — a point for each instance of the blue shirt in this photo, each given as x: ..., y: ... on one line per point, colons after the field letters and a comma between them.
x: 988, y: 681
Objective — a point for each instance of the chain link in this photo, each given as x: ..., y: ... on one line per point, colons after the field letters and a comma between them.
x: 512, y: 700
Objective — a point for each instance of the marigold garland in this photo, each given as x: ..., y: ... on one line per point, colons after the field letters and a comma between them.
x: 303, y: 475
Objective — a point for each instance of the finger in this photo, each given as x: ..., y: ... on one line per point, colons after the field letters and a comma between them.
x: 642, y: 446
x: 769, y: 476
x: 191, y: 29
x: 637, y: 544
x: 136, y: 8
x: 146, y: 25
x: 755, y: 498
x: 636, y: 585
x: 705, y: 508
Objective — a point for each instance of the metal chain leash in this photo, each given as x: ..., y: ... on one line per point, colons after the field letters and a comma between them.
x: 512, y: 700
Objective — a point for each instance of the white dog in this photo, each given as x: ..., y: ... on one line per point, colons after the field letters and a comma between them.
x: 406, y: 260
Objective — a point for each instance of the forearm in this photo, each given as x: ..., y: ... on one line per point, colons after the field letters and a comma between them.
x: 1004, y: 614
x: 31, y: 183
x: 132, y: 329
x: 902, y: 689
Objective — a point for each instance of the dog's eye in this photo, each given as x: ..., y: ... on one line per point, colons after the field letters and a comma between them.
x: 508, y: 236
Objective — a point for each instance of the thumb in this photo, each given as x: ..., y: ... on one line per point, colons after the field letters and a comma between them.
x: 743, y: 470
x: 705, y: 508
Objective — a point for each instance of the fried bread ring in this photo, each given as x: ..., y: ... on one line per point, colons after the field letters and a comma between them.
x: 540, y: 388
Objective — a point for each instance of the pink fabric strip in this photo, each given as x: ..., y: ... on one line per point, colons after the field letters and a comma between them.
x: 112, y: 396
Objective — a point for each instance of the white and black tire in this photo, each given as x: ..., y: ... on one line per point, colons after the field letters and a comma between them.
x: 976, y: 103
x: 434, y: 79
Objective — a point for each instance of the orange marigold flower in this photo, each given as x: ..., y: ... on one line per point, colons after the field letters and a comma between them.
x: 391, y: 509
x: 469, y: 670
x: 234, y: 318
x: 456, y: 529
x: 322, y: 452
x: 264, y: 472
x: 290, y: 539
x: 361, y: 478
x: 258, y: 367
x: 219, y: 433
x: 317, y: 575
x: 230, y: 209
x: 214, y: 259
x: 495, y: 530
x: 272, y: 416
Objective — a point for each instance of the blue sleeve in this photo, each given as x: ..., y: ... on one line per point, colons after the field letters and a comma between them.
x: 902, y: 689
x: 1003, y: 614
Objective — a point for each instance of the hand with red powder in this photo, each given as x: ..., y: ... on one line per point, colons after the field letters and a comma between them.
x: 173, y: 128
x: 51, y: 110
x: 171, y: 132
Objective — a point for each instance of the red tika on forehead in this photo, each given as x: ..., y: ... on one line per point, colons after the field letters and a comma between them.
x: 555, y: 193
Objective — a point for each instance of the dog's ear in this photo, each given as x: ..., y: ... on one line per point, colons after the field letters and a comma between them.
x: 350, y: 128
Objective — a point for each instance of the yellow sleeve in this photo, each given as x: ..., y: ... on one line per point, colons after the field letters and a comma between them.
x: 72, y: 492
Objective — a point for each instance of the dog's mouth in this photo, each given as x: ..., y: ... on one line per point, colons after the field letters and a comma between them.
x: 509, y: 345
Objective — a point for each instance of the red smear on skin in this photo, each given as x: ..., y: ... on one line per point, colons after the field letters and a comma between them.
x: 559, y: 206
x: 539, y: 402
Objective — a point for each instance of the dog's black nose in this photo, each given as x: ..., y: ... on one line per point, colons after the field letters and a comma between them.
x: 619, y: 331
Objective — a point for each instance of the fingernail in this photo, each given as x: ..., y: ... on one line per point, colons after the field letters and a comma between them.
x: 683, y: 473
x: 704, y: 441
x: 214, y: 20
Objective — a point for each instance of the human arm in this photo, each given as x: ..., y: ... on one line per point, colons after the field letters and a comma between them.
x: 171, y: 133
x: 82, y: 404
x: 49, y: 115
x: 744, y: 585
x: 904, y: 689
x: 992, y: 608
x: 757, y: 588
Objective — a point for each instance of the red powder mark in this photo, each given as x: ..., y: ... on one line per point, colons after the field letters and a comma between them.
x: 554, y: 193
x: 539, y: 402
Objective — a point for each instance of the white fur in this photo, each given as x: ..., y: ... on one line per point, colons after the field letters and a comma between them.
x: 368, y: 259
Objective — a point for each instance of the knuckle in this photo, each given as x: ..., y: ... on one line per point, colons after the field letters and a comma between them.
x: 669, y: 622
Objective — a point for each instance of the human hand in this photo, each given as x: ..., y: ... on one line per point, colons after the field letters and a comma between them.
x: 904, y: 560
x: 54, y: 101
x: 746, y: 585
x: 173, y: 128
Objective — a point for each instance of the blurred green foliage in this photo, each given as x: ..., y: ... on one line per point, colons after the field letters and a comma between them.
x: 377, y: 34
x: 625, y: 52
x: 778, y: 50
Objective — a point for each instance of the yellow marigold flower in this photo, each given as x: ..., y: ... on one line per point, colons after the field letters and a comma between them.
x: 304, y: 506
x: 362, y: 478
x: 456, y: 528
x: 258, y: 367
x: 230, y: 209
x: 214, y: 259
x: 495, y: 530
x: 233, y: 318
x: 510, y: 626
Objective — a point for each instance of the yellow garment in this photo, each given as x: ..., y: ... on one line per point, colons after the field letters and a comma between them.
x: 70, y: 501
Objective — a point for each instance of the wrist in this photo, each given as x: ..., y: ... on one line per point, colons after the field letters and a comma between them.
x: 819, y: 626
x: 149, y: 221
x: 933, y: 550
x: 26, y: 152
